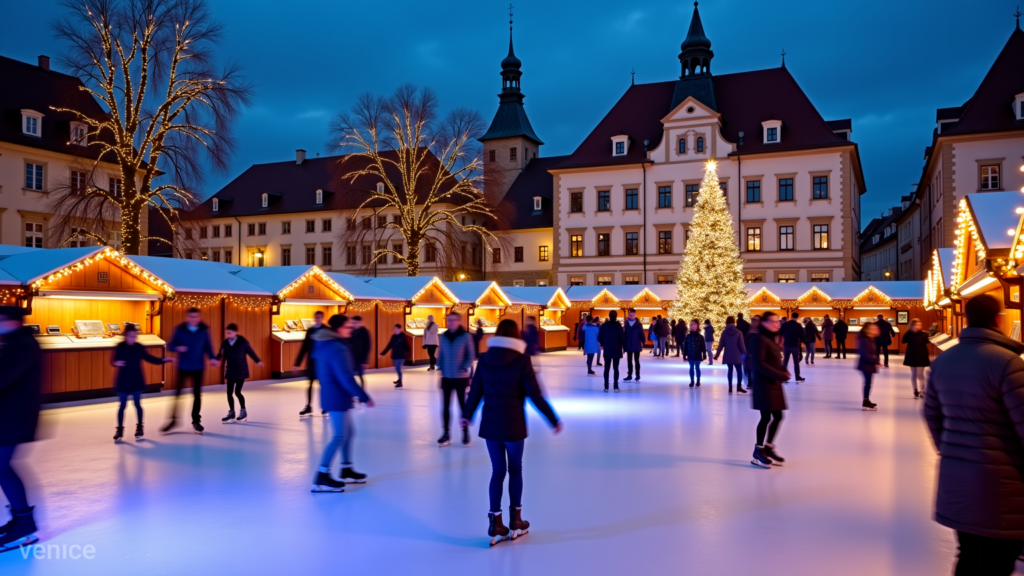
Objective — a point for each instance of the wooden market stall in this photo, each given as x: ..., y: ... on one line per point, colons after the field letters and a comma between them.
x: 648, y: 301
x: 481, y: 301
x: 424, y: 296
x: 551, y: 304
x: 938, y: 289
x: 380, y: 310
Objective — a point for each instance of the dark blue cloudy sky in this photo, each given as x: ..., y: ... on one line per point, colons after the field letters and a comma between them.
x: 886, y: 64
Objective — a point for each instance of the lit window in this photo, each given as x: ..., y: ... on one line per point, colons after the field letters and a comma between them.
x: 380, y: 187
x: 537, y: 203
x: 576, y: 246
x: 820, y: 277
x: 631, y: 279
x: 543, y: 255
x: 604, y: 280
x: 692, y: 191
x: 787, y: 278
x: 665, y: 242
x: 754, y: 239
x: 265, y: 200
x: 666, y: 279
x: 577, y: 280
x: 821, y: 236
x: 319, y: 196
x: 753, y: 277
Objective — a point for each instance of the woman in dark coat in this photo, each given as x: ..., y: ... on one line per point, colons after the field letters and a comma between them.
x: 233, y: 351
x: 826, y: 335
x: 695, y: 350
x: 503, y: 381
x: 811, y: 338
x: 128, y: 357
x: 735, y: 347
x: 916, y: 355
x: 399, y: 348
x: 478, y: 336
x: 709, y: 339
x: 867, y: 362
x: 765, y: 378
x: 841, y: 330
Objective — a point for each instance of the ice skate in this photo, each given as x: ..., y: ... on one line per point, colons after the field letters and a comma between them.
x: 730, y: 388
x: 307, y: 411
x: 138, y: 432
x: 698, y: 383
x: 516, y: 524
x: 444, y: 440
x: 398, y: 384
x: 324, y: 483
x: 628, y: 378
x: 769, y: 452
x: 20, y: 531
x: 637, y: 378
x: 916, y: 394
x: 119, y: 433
x: 230, y: 417
x: 741, y: 390
x: 323, y: 413
x: 350, y: 475
x: 760, y: 459
x: 591, y: 373
x: 868, y: 405
x: 243, y: 416
x: 169, y: 426
x: 616, y: 388
x: 466, y: 439
x: 691, y: 384
x: 198, y: 428
x: 496, y: 528
x: 799, y: 379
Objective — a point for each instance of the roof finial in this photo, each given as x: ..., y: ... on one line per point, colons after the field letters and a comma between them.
x: 510, y: 18
x: 1017, y: 15
x: 632, y: 76
x: 783, y: 57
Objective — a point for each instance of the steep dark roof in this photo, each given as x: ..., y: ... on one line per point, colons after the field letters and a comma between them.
x: 844, y: 124
x: 953, y: 113
x: 510, y: 121
x: 991, y: 107
x: 877, y: 226
x: 535, y: 180
x: 744, y: 99
x: 27, y: 86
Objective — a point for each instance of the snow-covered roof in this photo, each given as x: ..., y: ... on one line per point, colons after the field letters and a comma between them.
x: 197, y: 276
x: 472, y: 291
x: 621, y: 292
x: 996, y: 217
x: 946, y: 256
x: 360, y: 289
x: 7, y: 279
x: 896, y: 290
x: 9, y: 249
x: 535, y: 295
x: 407, y: 287
x: 272, y: 278
x: 33, y: 264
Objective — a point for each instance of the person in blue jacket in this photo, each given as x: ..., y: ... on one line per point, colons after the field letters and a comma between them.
x: 611, y: 338
x: 695, y: 350
x: 191, y: 340
x: 128, y: 358
x: 634, y: 334
x: 590, y: 344
x: 335, y: 369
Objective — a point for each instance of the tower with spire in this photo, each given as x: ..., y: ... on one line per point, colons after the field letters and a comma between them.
x: 510, y: 142
x: 695, y: 57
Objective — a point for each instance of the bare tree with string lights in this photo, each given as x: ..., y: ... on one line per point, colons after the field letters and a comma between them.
x: 428, y: 170
x: 169, y: 114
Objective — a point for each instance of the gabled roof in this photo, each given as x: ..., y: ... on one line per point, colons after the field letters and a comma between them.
x: 995, y: 213
x: 33, y: 265
x: 197, y: 276
x: 537, y: 295
x: 516, y: 208
x: 878, y: 226
x: 946, y: 256
x: 895, y: 290
x: 622, y: 292
x: 471, y: 291
x: 276, y: 279
x: 991, y: 107
x: 360, y: 289
x: 407, y: 287
x: 510, y: 121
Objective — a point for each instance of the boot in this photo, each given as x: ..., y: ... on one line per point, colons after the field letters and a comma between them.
x: 769, y: 452
x: 496, y: 528
x: 730, y: 388
x: 229, y: 417
x: 324, y: 483
x: 20, y: 531
x: 350, y: 475
x: 466, y: 436
x: 307, y: 411
x: 444, y: 440
x: 869, y: 405
x: 119, y: 433
x: 398, y: 383
x: 516, y: 524
x: 138, y: 431
x: 740, y: 389
x: 243, y: 416
x: 170, y: 426
x: 760, y: 459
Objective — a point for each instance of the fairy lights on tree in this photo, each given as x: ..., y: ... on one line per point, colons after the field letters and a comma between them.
x: 710, y: 280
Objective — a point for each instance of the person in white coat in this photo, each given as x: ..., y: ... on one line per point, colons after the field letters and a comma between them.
x: 430, y: 341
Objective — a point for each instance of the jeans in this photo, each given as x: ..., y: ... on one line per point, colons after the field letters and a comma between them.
x: 632, y: 359
x: 398, y: 368
x: 828, y: 347
x: 608, y: 364
x: 694, y: 365
x: 917, y: 373
x: 123, y: 398
x: 11, y: 485
x: 883, y: 350
x: 984, y: 556
x: 448, y: 386
x: 655, y: 346
x: 763, y: 425
x: 590, y: 366
x: 867, y: 384
x: 809, y: 358
x: 343, y: 430
x: 663, y: 346
x: 234, y: 389
x: 431, y: 353
x: 710, y: 344
x: 793, y: 351
x: 506, y: 457
x: 739, y: 374
x: 841, y: 347
x: 196, y: 376
x: 358, y: 371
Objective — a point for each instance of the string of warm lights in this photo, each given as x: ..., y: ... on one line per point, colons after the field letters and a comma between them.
x: 106, y: 254
x: 436, y: 282
x: 12, y: 294
x: 196, y: 300
x: 966, y: 231
x: 251, y: 302
x: 315, y: 272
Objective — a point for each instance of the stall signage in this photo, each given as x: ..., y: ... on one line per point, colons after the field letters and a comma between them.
x: 101, y: 277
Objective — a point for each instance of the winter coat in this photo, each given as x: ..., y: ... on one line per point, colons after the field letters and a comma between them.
x: 917, y: 349
x: 652, y: 332
x: 612, y: 339
x: 20, y: 382
x: 743, y: 327
x: 430, y: 335
x: 679, y: 333
x: 478, y: 337
x: 504, y: 379
x: 532, y: 338
x: 307, y: 348
x: 695, y: 347
x: 579, y: 331
x: 235, y: 365
x: 398, y: 346
x: 198, y: 344
x: 974, y: 406
x: 663, y: 330
x: 709, y: 333
x: 731, y: 340
x: 811, y: 333
x: 826, y: 329
x: 335, y: 370
x: 885, y: 333
x: 792, y: 333
x: 634, y: 335
x: 766, y: 372
x: 841, y: 330
x: 591, y: 345
x: 130, y: 377
x: 361, y: 346
x: 868, y: 352
x: 455, y: 354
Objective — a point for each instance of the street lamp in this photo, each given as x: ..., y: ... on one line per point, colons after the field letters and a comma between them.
x: 887, y: 274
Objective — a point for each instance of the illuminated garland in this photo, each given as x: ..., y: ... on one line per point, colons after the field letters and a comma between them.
x: 113, y: 256
x: 252, y: 302
x: 196, y: 300
x: 440, y: 285
x: 460, y: 308
x: 13, y: 294
x: 317, y: 272
x: 966, y: 231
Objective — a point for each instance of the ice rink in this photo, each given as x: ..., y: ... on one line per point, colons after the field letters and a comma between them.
x: 655, y: 480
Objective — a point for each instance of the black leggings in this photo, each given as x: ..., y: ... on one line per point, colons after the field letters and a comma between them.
x: 775, y: 416
x: 235, y: 386
x: 448, y: 386
x: 841, y: 348
x: 431, y: 353
x: 123, y: 398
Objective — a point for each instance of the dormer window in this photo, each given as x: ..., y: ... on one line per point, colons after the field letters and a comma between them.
x: 31, y: 123
x: 682, y: 145
x: 1018, y: 106
x: 700, y: 145
x: 772, y: 131
x: 536, y: 203
x: 620, y: 145
x: 216, y: 205
x: 319, y: 197
x: 380, y: 187
x: 79, y: 134
x: 620, y: 148
x: 264, y: 200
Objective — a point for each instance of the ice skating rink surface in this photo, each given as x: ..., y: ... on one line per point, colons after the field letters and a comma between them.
x: 654, y: 480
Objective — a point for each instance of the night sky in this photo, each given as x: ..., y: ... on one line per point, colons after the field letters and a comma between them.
x: 887, y: 65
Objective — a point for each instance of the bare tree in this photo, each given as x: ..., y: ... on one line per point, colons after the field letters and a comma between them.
x: 169, y: 113
x: 432, y: 175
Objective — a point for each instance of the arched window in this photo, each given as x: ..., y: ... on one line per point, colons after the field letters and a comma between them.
x: 682, y: 145
x: 700, y: 144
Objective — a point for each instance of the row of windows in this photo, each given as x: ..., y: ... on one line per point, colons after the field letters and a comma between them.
x: 78, y: 180
x: 632, y: 241
x: 698, y: 145
x: 786, y: 277
x: 749, y: 277
x: 543, y: 254
x: 787, y: 239
x: 513, y: 154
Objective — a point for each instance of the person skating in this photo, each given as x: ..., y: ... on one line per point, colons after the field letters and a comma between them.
x: 191, y: 340
x: 233, y: 352
x: 709, y: 339
x: 304, y: 353
x: 531, y: 336
x: 767, y: 396
x: 591, y: 344
x: 974, y: 408
x: 673, y: 345
x: 867, y: 362
x: 679, y: 334
x: 731, y: 341
x: 664, y: 333
x: 792, y: 334
x: 20, y: 382
x: 742, y: 325
x: 578, y: 331
x: 361, y: 347
x: 335, y: 369
x: 827, y: 326
x: 841, y: 330
x: 652, y: 336
x: 695, y: 350
x: 884, y: 338
x: 478, y: 336
x: 456, y: 359
x: 633, y: 332
x: 399, y: 348
x: 598, y: 323
x: 811, y: 337
x: 504, y: 379
x: 612, y: 338
x: 431, y: 341
x: 916, y: 355
x: 130, y: 381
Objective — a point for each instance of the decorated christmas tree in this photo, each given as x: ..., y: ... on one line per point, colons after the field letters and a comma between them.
x: 710, y: 280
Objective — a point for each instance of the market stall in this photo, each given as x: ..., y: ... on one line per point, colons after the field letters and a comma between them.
x: 551, y: 305
x: 379, y: 309
x: 424, y: 296
x: 481, y: 301
x: 648, y: 301
x: 937, y: 289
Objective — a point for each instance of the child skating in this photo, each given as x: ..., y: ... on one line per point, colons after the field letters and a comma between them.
x: 399, y: 348
x: 233, y: 351
x: 128, y: 358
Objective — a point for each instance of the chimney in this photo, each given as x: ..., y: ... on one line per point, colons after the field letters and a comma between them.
x: 44, y: 62
x: 300, y: 156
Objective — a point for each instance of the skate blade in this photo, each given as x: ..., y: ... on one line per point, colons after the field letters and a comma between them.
x: 354, y: 481
x: 866, y: 409
x: 443, y: 444
x: 241, y: 420
x: 761, y: 464
x: 318, y: 489
x: 515, y: 534
x: 19, y: 543
x: 499, y: 539
x: 776, y: 463
x: 139, y: 438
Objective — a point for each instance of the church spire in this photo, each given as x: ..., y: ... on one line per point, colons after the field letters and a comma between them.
x: 510, y: 120
x: 510, y: 66
x: 695, y: 52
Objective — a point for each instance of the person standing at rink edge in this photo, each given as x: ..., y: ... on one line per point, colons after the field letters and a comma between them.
x: 633, y: 331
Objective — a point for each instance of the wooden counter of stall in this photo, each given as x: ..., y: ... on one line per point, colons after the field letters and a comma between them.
x: 648, y: 301
x: 481, y: 302
x: 80, y: 300
x: 550, y: 304
x: 424, y: 296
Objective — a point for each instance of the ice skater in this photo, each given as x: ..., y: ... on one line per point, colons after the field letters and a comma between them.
x: 841, y: 330
x: 399, y: 348
x: 679, y: 334
x: 827, y: 332
x: 709, y: 339
x: 811, y: 337
x: 884, y: 338
x: 916, y: 355
x: 456, y: 360
x: 304, y: 352
x: 361, y: 346
x: 591, y: 345
x: 765, y: 379
x: 191, y: 340
x: 633, y: 332
x: 233, y: 352
x: 130, y: 381
x: 430, y: 342
x: 20, y: 382
x: 792, y: 334
x: 503, y: 381
x: 335, y: 369
x: 695, y: 350
x: 735, y: 348
x: 867, y: 362
x: 611, y: 338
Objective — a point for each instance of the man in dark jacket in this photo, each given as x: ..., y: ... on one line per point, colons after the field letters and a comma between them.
x: 742, y: 325
x: 792, y: 335
x: 455, y: 356
x: 191, y: 340
x: 531, y: 336
x: 841, y: 329
x: 304, y: 351
x: 234, y: 353
x: 974, y: 406
x: 679, y: 334
x: 633, y: 333
x: 612, y: 338
x: 884, y: 339
x: 20, y: 380
x: 360, y: 346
